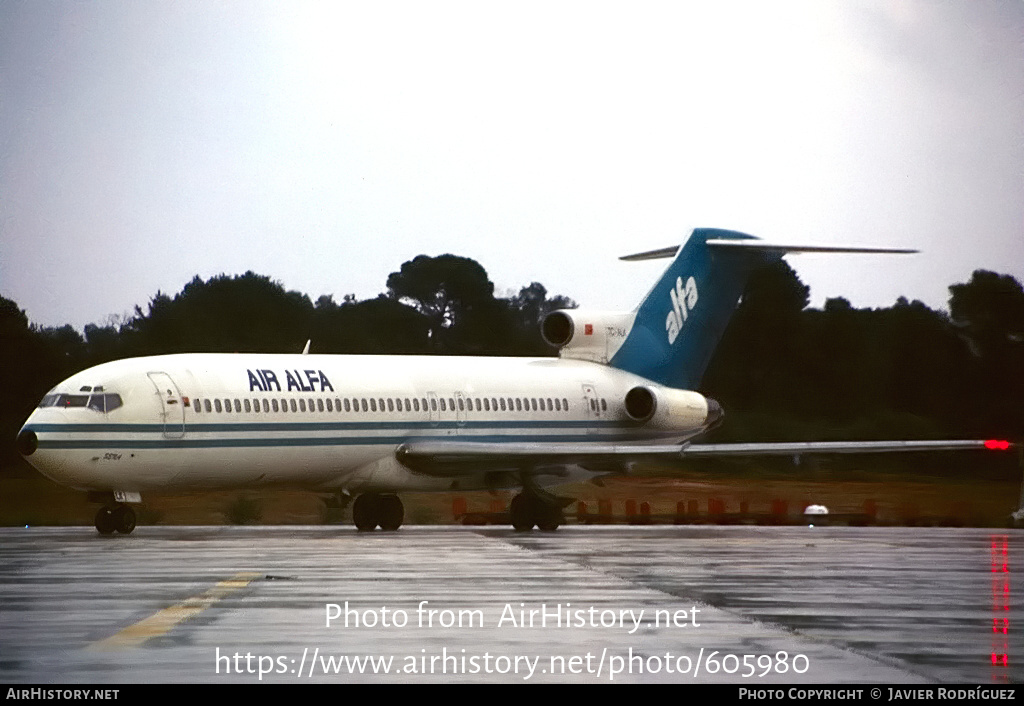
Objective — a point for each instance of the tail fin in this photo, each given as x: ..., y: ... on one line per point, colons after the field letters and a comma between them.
x: 681, y: 320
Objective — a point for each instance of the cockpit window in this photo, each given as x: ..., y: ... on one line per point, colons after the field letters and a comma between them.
x: 106, y: 402
x: 101, y: 403
x: 72, y: 400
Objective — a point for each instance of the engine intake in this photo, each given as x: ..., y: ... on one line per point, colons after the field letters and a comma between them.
x: 641, y: 404
x: 557, y: 328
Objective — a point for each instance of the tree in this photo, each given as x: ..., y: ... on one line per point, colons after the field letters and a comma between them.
x: 989, y: 313
x: 456, y: 296
x: 526, y: 310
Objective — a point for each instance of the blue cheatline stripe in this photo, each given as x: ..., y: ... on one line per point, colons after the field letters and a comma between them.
x: 317, y: 441
x: 319, y: 426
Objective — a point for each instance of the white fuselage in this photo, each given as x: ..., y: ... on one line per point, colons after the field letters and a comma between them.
x: 327, y: 422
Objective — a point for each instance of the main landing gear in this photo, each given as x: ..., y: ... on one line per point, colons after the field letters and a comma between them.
x: 529, y: 509
x: 371, y: 510
x: 115, y: 518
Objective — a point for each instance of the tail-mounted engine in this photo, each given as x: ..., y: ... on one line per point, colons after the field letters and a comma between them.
x: 665, y: 408
x: 587, y: 335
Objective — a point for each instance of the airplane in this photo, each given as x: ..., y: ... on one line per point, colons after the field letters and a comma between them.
x: 621, y: 393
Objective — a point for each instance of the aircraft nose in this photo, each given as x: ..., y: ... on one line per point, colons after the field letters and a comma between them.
x: 715, y: 413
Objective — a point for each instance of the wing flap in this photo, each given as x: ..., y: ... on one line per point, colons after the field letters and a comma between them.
x: 448, y: 459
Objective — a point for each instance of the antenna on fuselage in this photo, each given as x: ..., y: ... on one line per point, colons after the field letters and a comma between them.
x: 305, y: 351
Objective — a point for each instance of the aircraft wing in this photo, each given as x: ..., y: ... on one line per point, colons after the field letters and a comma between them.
x: 448, y: 459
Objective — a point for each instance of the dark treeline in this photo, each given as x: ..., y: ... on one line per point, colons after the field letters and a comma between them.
x: 787, y: 372
x: 782, y: 371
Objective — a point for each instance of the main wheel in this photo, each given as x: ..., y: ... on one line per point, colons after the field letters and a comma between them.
x: 549, y: 518
x: 390, y: 512
x: 366, y: 512
x: 522, y: 511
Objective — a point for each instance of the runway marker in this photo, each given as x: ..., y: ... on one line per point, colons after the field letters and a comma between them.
x: 163, y: 621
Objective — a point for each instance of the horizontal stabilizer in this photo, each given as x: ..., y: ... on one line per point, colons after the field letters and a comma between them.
x: 652, y: 254
x: 761, y: 246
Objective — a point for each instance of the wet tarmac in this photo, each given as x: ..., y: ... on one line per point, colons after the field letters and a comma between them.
x: 743, y: 605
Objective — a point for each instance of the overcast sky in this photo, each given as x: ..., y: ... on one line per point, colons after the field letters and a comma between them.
x: 323, y: 144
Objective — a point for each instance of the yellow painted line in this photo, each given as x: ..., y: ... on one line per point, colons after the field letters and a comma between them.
x: 163, y: 621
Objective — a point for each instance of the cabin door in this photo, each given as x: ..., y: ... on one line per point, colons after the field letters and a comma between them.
x: 172, y: 408
x: 593, y: 409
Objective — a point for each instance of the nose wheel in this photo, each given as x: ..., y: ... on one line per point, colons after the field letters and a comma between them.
x: 117, y: 518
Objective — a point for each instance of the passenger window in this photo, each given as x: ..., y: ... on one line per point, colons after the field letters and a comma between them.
x: 216, y: 403
x: 443, y: 407
x: 604, y: 405
x: 330, y: 405
x: 433, y: 405
x: 348, y: 407
x: 373, y: 405
x: 451, y: 403
x: 248, y: 408
x: 565, y: 404
x: 206, y: 404
x: 416, y: 404
x: 502, y: 404
x: 275, y: 405
x: 292, y: 405
x: 487, y: 405
x: 533, y: 403
x: 558, y: 405
x: 199, y: 406
x: 519, y: 405
x: 391, y: 405
x: 462, y: 405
